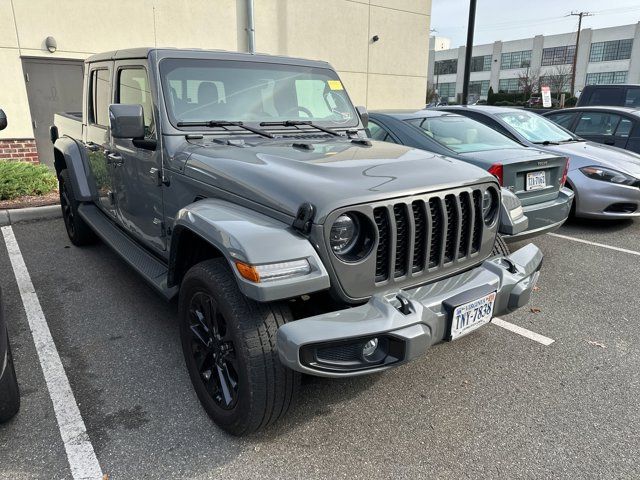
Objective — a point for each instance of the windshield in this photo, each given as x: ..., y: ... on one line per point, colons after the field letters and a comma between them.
x: 535, y: 128
x: 199, y: 90
x: 462, y: 134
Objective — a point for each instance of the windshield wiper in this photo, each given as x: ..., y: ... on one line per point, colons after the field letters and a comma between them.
x: 295, y: 123
x: 223, y: 124
x: 546, y: 142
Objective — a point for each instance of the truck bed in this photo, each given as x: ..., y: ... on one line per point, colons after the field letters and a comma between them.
x: 69, y: 123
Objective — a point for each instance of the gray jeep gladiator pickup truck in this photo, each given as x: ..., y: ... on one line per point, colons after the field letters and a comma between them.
x: 245, y: 186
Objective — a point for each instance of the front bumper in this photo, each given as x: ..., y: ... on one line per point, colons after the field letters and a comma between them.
x: 598, y: 199
x: 411, y: 320
x: 545, y: 217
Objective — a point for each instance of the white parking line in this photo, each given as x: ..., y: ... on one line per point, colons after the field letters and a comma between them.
x: 595, y: 244
x: 80, y: 453
x: 536, y: 337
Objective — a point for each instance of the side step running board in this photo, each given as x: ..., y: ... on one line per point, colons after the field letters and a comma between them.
x: 151, y: 269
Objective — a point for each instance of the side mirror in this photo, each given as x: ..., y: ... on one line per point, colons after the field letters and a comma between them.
x: 126, y: 121
x: 364, y: 116
x: 3, y: 120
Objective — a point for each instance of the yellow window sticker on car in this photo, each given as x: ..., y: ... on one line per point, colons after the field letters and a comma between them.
x: 335, y: 84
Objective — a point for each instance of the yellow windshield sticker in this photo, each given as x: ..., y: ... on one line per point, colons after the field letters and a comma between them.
x: 335, y: 84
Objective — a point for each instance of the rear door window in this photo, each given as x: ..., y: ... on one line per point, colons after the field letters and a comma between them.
x: 624, y: 128
x: 597, y: 123
x: 100, y: 97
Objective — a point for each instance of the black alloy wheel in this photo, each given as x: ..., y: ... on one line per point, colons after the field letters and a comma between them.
x: 213, y: 351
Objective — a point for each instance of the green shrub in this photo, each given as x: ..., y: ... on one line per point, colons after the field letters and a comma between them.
x: 504, y: 103
x: 570, y: 102
x: 20, y: 178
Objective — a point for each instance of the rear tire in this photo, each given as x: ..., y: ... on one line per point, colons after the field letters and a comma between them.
x: 229, y: 345
x: 9, y: 391
x: 78, y: 231
x: 500, y: 248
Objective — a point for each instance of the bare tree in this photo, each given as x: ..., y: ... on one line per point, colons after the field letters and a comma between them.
x: 559, y: 80
x: 529, y: 81
x: 431, y: 93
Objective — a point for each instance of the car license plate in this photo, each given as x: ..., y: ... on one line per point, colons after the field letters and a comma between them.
x: 536, y: 180
x: 468, y: 317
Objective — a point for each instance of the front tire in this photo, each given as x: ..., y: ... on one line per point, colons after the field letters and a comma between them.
x: 500, y: 248
x: 9, y: 392
x: 78, y: 231
x: 229, y: 345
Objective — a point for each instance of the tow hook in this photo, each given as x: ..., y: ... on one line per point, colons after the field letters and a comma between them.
x: 405, y: 306
x: 511, y: 266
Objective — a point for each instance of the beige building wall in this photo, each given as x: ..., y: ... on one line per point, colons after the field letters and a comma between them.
x: 388, y: 73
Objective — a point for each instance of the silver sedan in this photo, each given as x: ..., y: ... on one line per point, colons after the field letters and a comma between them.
x: 606, y: 180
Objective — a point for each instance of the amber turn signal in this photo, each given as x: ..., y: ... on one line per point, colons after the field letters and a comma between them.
x: 248, y: 271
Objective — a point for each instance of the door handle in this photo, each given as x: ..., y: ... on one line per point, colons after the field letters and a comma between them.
x: 114, y: 159
x: 92, y: 147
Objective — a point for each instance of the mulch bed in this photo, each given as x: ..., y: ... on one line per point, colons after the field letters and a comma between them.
x: 31, y: 201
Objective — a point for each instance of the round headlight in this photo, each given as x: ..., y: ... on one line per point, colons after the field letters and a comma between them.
x: 344, y: 234
x: 490, y: 202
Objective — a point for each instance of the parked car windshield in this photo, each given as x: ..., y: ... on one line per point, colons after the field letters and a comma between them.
x: 535, y: 128
x: 197, y: 90
x: 462, y: 134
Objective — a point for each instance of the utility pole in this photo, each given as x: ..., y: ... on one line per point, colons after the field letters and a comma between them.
x: 575, y: 54
x: 469, y: 51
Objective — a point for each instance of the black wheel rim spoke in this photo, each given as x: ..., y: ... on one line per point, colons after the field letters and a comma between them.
x: 213, y: 351
x: 225, y: 384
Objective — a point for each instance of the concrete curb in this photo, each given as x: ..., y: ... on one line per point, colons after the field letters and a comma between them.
x: 9, y: 217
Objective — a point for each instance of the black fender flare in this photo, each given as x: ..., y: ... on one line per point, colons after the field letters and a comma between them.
x: 75, y: 162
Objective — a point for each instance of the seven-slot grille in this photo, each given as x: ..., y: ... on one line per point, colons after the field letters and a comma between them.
x: 425, y: 233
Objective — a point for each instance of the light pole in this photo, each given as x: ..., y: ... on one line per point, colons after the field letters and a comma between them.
x: 469, y: 51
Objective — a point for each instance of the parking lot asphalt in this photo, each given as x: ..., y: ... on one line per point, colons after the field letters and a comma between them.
x: 493, y: 404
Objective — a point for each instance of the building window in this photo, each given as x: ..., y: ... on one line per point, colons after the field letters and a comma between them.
x: 444, y: 67
x: 614, y: 50
x: 481, y: 63
x: 515, y: 60
x: 600, y: 78
x: 558, y: 55
x: 480, y: 87
x: 509, y: 85
x: 447, y: 90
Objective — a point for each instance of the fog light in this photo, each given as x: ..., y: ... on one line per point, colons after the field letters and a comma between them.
x: 370, y: 348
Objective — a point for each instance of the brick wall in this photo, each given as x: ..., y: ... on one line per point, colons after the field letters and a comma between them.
x: 21, y: 150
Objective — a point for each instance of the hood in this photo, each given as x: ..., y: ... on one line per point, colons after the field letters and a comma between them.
x: 584, y: 154
x: 505, y: 156
x: 330, y: 174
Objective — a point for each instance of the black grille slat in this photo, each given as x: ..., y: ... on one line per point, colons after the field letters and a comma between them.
x: 382, y: 253
x: 420, y: 235
x: 465, y: 214
x: 436, y: 229
x: 452, y: 228
x: 476, y: 237
x: 402, y: 239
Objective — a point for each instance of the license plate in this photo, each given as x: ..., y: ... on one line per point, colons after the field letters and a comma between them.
x: 468, y: 317
x: 536, y: 180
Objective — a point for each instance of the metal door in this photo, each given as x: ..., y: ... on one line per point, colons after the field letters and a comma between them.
x: 137, y: 173
x: 52, y: 86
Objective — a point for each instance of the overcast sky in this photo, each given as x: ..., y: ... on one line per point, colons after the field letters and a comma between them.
x: 513, y: 19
